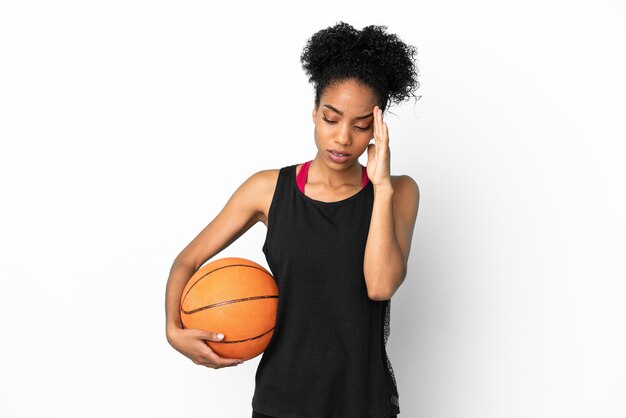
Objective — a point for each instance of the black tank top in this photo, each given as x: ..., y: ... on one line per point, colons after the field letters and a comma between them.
x: 327, y: 355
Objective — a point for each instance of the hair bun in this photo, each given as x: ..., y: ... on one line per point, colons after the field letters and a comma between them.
x: 374, y: 57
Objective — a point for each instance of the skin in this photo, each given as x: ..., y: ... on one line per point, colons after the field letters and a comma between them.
x: 396, y: 200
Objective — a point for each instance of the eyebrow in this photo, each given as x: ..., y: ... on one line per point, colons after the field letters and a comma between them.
x: 341, y: 113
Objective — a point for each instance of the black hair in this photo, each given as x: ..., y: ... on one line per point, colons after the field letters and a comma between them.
x: 376, y: 59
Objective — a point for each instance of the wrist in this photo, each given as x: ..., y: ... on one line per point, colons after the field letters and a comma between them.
x: 385, y: 187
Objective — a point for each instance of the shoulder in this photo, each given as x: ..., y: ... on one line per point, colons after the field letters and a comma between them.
x: 262, y: 187
x: 265, y: 177
x: 405, y: 187
x: 406, y: 198
x: 263, y: 182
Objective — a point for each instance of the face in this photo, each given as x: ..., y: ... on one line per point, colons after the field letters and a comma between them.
x: 344, y: 122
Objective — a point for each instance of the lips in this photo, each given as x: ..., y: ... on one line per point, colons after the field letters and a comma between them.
x: 338, y: 158
x: 339, y: 152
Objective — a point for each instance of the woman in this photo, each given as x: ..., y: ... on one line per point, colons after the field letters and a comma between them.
x: 337, y: 243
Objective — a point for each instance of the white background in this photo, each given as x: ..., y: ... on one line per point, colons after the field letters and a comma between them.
x: 127, y: 125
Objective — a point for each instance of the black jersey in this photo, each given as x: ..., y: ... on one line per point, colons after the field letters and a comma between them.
x: 327, y: 355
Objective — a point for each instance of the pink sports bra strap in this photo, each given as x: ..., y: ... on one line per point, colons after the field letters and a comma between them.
x: 302, y: 175
x: 364, y: 177
x: 304, y: 171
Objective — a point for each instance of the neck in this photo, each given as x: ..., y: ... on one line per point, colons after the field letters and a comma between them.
x: 333, y: 178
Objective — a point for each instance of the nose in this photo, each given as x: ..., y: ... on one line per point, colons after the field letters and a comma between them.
x: 343, y: 137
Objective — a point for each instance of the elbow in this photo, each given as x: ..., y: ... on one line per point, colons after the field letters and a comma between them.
x: 182, y: 261
x: 385, y: 293
x: 379, y: 297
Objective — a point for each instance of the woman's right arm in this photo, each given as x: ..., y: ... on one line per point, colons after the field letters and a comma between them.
x: 244, y: 209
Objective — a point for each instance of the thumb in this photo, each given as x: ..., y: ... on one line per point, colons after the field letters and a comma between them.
x: 371, y: 151
x: 211, y: 336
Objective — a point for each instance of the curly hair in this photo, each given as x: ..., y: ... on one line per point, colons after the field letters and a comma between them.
x: 374, y: 58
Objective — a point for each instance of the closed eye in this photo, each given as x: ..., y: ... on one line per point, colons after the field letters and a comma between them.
x: 358, y: 127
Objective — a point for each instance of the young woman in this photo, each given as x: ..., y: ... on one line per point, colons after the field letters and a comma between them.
x: 337, y: 242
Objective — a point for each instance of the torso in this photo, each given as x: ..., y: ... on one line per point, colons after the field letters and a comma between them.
x: 315, y: 249
x: 312, y: 192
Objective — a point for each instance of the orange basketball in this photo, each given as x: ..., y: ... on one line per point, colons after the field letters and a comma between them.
x: 236, y: 297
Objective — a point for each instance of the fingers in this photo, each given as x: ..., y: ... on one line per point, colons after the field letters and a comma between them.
x: 207, y: 357
x: 214, y: 361
x: 381, y: 132
x: 228, y: 362
x: 383, y: 129
x: 377, y: 123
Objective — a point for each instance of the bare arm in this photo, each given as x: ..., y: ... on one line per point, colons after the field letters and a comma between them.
x: 389, y: 239
x: 241, y: 212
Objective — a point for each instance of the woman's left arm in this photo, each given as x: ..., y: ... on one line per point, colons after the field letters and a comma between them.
x: 392, y: 222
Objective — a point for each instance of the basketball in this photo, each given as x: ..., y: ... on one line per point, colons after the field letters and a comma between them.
x: 236, y: 297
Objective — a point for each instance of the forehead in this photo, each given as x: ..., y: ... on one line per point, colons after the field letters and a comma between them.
x: 350, y: 97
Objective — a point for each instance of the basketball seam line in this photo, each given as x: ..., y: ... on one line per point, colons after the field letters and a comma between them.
x: 209, y: 272
x: 227, y: 302
x: 247, y: 339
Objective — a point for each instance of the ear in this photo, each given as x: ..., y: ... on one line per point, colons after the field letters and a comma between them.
x: 314, y: 114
